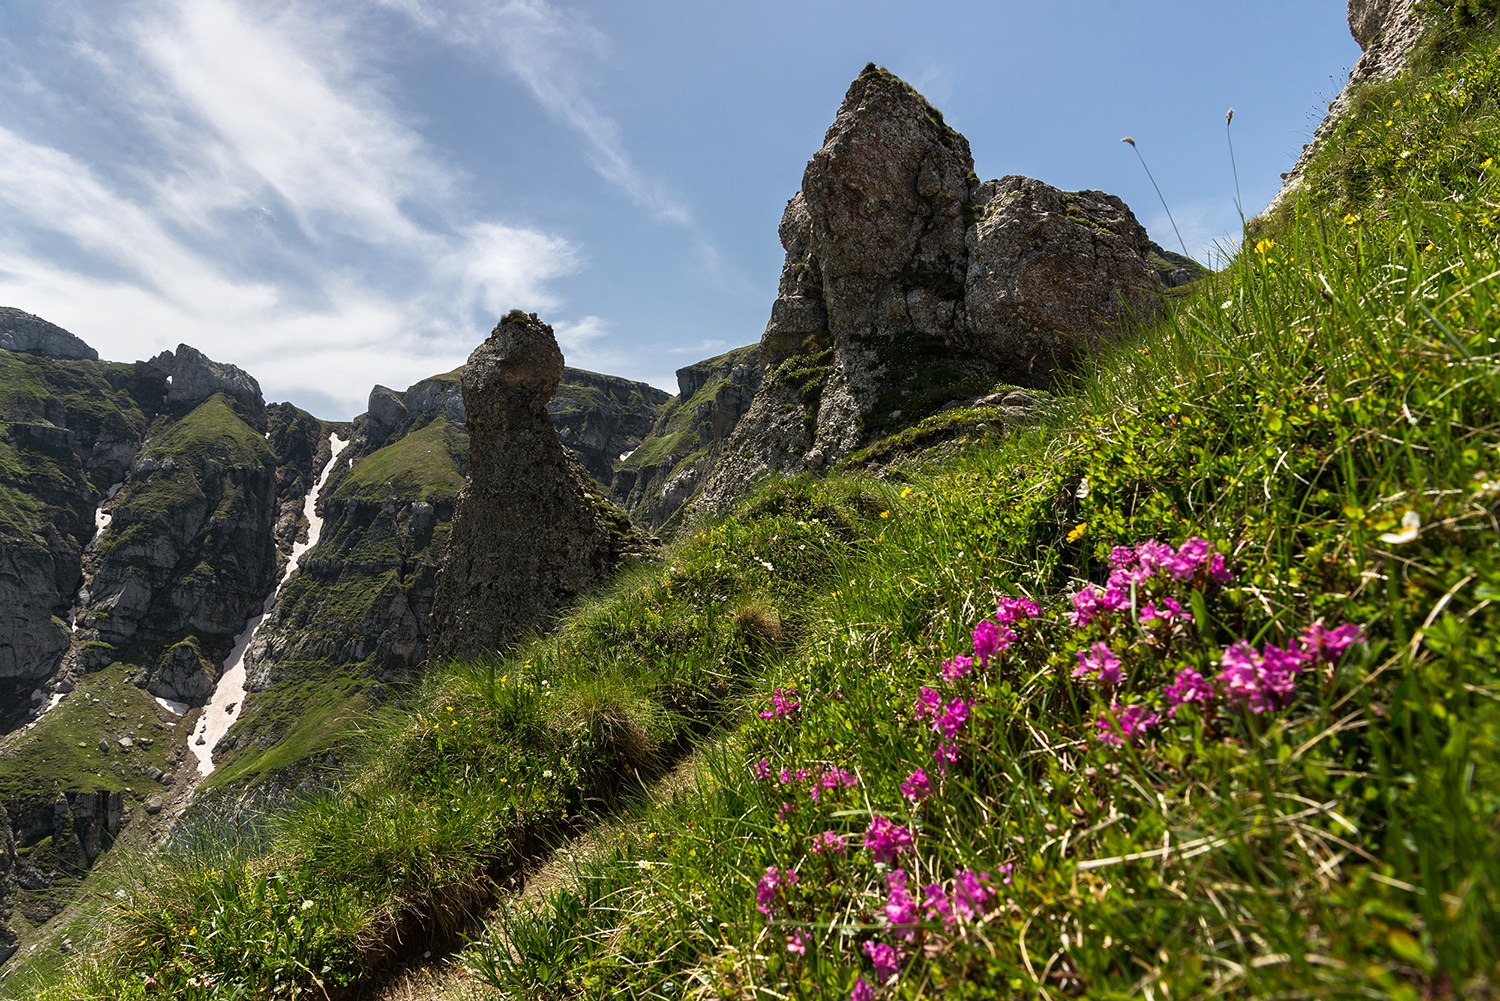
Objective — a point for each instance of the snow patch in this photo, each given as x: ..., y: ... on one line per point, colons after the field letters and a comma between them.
x: 229, y: 694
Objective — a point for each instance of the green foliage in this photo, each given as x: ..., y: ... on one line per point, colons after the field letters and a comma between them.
x: 423, y: 465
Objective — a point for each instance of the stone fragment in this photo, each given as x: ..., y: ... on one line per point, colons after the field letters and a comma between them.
x: 153, y: 805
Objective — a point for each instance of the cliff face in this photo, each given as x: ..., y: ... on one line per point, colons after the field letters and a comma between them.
x: 530, y: 530
x: 909, y: 283
x: 656, y: 478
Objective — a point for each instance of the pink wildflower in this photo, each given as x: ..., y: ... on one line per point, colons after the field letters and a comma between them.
x: 1217, y: 571
x: 784, y: 705
x: 916, y: 787
x: 835, y: 777
x: 830, y: 843
x: 1194, y: 553
x: 761, y: 769
x: 784, y: 811
x: 1330, y: 644
x: 768, y: 892
x: 797, y: 942
x: 900, y: 908
x: 886, y: 959
x: 935, y: 900
x: 1170, y: 611
x: 929, y: 703
x: 957, y: 668
x: 1189, y: 687
x: 1128, y: 723
x: 986, y: 638
x: 945, y: 755
x: 886, y: 840
x: 1087, y: 606
x: 970, y: 894
x: 1242, y: 673
x: 862, y: 991
x: 1123, y: 558
x: 1011, y: 609
x: 1006, y: 870
x: 1100, y: 661
x: 955, y: 715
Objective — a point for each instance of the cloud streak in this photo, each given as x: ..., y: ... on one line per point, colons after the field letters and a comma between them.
x: 258, y: 195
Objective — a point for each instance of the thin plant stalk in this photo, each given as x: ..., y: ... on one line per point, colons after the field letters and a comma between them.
x: 1163, y: 198
x: 1239, y: 202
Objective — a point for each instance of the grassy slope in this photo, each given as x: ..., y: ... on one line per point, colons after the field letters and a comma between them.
x: 1293, y: 412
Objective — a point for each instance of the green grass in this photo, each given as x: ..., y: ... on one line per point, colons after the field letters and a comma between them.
x: 1338, y: 382
x: 421, y: 466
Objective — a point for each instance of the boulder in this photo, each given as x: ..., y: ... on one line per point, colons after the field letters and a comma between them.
x: 529, y: 531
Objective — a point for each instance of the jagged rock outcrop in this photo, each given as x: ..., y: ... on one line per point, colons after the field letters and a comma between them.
x: 909, y: 282
x: 529, y: 533
x: 189, y: 377
x: 1387, y: 31
x: 23, y: 331
x: 655, y: 479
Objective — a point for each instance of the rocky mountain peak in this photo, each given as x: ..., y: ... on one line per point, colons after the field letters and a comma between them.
x: 23, y: 331
x: 190, y: 376
x: 516, y: 369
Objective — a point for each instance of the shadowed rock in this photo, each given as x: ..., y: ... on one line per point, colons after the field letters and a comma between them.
x: 909, y: 283
x: 530, y: 532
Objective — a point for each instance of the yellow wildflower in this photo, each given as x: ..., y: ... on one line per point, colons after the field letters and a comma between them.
x: 1264, y: 246
x: 1078, y: 531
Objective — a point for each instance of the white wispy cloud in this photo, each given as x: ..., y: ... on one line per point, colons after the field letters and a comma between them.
x: 548, y: 48
x: 254, y: 192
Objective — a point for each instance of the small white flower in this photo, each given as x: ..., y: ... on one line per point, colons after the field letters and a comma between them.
x: 1082, y: 492
x: 1411, y: 527
x: 547, y: 774
x: 307, y: 905
x: 1226, y: 304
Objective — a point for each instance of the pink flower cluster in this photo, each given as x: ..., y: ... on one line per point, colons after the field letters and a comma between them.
x: 992, y: 637
x: 1135, y: 566
x: 1262, y: 680
x: 830, y: 843
x: 886, y: 840
x: 1124, y: 723
x: 784, y: 705
x: 770, y: 892
x: 946, y: 720
x: 1100, y: 662
x: 967, y: 899
x: 817, y: 783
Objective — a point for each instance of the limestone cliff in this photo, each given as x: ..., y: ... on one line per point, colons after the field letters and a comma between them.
x: 908, y: 283
x: 530, y: 530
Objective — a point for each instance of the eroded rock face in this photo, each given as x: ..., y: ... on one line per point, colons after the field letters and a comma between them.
x: 22, y: 331
x: 908, y: 282
x: 529, y: 532
x: 190, y: 376
x: 8, y: 873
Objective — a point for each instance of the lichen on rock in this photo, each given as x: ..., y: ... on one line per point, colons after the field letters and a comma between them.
x: 530, y: 530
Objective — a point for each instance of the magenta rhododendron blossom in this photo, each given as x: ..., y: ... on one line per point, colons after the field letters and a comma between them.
x: 1129, y: 722
x: 784, y: 705
x: 1329, y: 644
x: 916, y: 787
x: 1168, y: 611
x: 986, y: 638
x: 970, y: 894
x: 956, y: 669
x: 886, y: 959
x: 900, y: 908
x: 1100, y: 661
x: 830, y: 843
x: 1011, y: 609
x: 955, y: 715
x: 1190, y: 686
x: 1087, y: 607
x: 768, y: 892
x: 886, y: 839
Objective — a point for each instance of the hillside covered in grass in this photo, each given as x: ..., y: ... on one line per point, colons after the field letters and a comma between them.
x: 1189, y: 690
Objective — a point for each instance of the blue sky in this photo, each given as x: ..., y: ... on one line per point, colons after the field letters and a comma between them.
x: 337, y: 193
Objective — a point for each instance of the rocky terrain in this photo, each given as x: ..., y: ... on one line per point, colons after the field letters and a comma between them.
x: 909, y: 284
x: 530, y: 530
